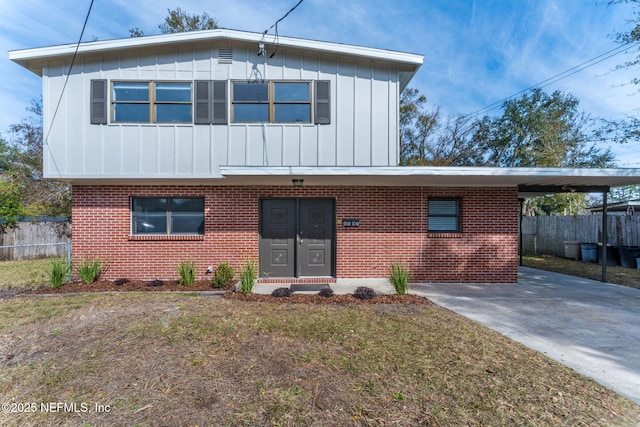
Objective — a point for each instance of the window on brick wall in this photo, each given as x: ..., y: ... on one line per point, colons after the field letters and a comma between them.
x: 444, y: 215
x: 167, y: 215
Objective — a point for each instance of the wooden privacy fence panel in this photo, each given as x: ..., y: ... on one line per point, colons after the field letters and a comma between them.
x: 35, y: 240
x: 547, y: 234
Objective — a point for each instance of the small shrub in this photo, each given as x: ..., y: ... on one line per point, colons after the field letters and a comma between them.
x: 364, y: 293
x: 400, y: 277
x: 89, y: 270
x: 247, y: 278
x: 120, y: 282
x: 326, y: 293
x: 58, y: 272
x: 224, y: 273
x: 281, y: 293
x: 155, y: 283
x: 187, y: 272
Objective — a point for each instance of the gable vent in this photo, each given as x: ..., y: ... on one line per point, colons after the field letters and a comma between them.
x: 225, y: 56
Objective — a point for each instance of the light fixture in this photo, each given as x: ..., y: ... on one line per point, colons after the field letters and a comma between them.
x: 297, y: 182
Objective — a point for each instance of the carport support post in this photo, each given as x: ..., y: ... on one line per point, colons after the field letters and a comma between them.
x: 520, y: 244
x: 605, y: 235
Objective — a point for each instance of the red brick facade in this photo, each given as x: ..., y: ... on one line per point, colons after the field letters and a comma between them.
x: 393, y: 227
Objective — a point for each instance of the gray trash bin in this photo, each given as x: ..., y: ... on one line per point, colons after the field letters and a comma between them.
x: 572, y: 249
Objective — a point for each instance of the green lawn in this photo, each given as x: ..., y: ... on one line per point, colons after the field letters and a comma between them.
x: 172, y: 359
x: 21, y: 274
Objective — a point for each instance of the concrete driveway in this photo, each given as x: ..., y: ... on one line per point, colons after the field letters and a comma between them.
x: 589, y: 326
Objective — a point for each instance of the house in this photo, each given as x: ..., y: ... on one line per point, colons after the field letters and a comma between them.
x: 203, y: 146
x: 628, y: 207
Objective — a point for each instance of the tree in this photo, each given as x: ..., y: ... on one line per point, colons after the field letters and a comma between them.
x: 10, y: 207
x: 427, y: 138
x: 630, y: 36
x: 21, y: 164
x: 179, y: 21
x: 540, y: 130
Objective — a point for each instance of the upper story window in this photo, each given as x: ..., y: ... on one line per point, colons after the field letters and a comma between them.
x: 151, y: 102
x: 207, y: 102
x: 271, y: 102
x: 444, y: 215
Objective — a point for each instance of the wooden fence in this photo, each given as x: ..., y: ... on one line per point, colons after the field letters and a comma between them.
x: 30, y: 240
x: 547, y: 234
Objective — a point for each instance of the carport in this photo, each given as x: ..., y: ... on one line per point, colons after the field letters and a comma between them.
x: 572, y: 181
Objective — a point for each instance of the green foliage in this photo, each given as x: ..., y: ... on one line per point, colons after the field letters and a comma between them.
x: 179, y: 21
x: 187, y: 272
x: 21, y: 159
x: 223, y: 274
x: 89, y: 270
x: 10, y: 206
x: 247, y: 277
x: 540, y: 130
x: 399, y: 277
x: 556, y: 204
x: 58, y: 272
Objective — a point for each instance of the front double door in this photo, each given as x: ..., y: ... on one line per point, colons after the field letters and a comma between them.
x: 297, y: 237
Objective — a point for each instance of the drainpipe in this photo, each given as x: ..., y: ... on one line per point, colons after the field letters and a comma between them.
x: 605, y: 235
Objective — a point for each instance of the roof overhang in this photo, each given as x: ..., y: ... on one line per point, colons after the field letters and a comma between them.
x: 530, y: 182
x: 34, y: 59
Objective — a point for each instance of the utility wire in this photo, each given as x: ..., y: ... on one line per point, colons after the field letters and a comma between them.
x: 560, y: 76
x: 276, y: 39
x: 66, y: 80
x: 285, y: 15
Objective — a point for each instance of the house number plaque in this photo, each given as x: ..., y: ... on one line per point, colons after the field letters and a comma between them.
x: 351, y: 223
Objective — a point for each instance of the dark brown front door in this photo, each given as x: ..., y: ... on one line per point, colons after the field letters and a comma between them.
x: 297, y: 237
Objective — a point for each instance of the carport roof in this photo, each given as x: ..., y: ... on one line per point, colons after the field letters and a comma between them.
x: 530, y: 181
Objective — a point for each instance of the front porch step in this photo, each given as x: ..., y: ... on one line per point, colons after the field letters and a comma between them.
x: 296, y: 280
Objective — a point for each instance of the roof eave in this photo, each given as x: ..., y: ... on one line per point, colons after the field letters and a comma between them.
x: 29, y: 58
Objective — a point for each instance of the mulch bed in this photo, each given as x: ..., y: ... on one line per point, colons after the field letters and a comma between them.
x: 205, y: 285
x: 334, y: 299
x: 130, y: 286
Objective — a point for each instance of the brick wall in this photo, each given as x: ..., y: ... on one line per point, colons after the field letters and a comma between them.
x: 393, y: 227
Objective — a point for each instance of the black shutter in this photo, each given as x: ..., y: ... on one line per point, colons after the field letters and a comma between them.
x: 219, y: 102
x: 211, y: 102
x: 202, y: 114
x: 323, y: 102
x: 98, y: 108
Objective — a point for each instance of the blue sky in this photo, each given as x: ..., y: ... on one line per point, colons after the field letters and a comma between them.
x: 476, y: 52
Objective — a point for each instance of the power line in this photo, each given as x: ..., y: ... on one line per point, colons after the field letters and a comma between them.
x: 66, y: 80
x: 285, y: 15
x: 560, y: 76
x: 276, y: 40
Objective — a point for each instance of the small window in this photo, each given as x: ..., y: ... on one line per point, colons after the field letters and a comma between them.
x: 444, y: 215
x: 152, y: 102
x: 167, y: 215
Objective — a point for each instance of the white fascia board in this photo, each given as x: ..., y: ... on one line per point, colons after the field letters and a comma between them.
x: 25, y: 56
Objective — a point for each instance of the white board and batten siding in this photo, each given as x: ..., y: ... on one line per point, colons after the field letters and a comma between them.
x: 363, y: 128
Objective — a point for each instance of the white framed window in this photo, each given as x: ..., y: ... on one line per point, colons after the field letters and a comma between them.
x: 167, y: 216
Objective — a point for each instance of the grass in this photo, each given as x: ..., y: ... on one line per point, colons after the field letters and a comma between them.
x: 159, y: 359
x: 617, y: 275
x: 21, y: 274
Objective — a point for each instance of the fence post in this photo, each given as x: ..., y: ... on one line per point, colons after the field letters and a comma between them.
x: 69, y: 261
